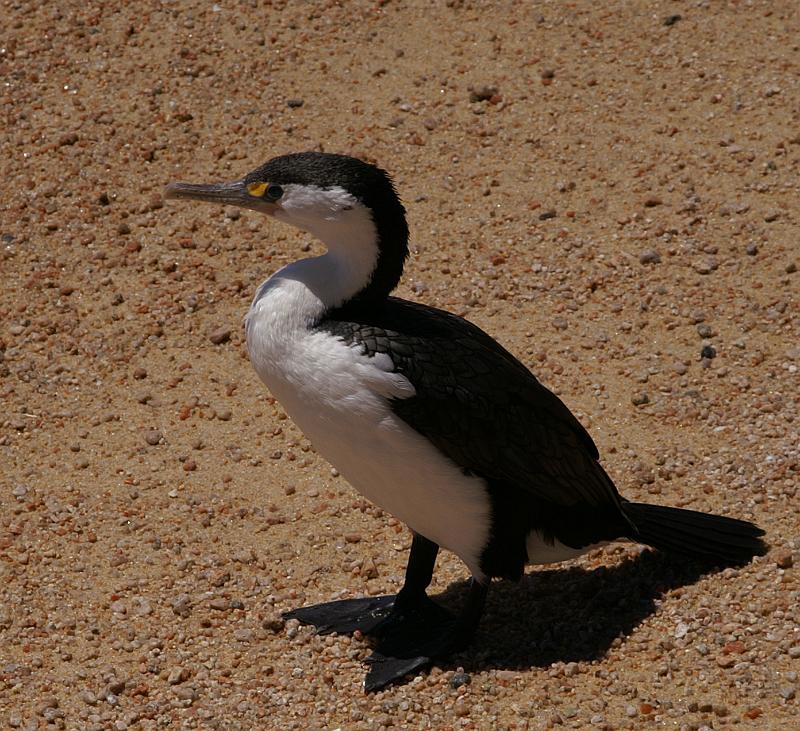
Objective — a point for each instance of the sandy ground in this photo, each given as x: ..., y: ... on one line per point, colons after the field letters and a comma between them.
x: 617, y: 207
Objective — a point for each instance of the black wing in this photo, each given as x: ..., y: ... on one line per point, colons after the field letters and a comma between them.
x: 478, y: 404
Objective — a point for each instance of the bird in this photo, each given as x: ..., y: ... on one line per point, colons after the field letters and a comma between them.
x: 427, y: 416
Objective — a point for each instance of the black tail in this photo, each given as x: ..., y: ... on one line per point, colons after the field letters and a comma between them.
x: 691, y: 533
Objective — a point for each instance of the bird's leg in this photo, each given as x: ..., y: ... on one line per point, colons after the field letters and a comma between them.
x: 412, y: 645
x: 412, y: 605
x: 379, y: 614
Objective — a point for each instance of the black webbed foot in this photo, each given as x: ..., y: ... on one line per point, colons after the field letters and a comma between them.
x: 414, y: 644
x: 345, y: 616
x: 407, y: 634
x: 382, y: 617
x: 409, y: 631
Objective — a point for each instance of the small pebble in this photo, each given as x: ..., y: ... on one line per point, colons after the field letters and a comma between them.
x: 186, y: 693
x: 273, y: 623
x: 784, y: 559
x: 649, y: 256
x: 220, y: 335
x: 460, y: 678
x: 706, y: 266
x: 482, y: 93
x: 182, y: 605
x: 152, y: 437
x: 177, y: 675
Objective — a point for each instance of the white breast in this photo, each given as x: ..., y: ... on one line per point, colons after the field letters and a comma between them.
x: 340, y: 399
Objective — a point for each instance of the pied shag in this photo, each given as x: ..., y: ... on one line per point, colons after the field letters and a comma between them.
x: 427, y: 416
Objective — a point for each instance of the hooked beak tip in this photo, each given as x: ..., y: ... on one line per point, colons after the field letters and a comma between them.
x: 171, y: 191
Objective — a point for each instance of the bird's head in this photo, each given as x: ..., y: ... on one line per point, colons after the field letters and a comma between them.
x: 346, y: 203
x: 313, y: 191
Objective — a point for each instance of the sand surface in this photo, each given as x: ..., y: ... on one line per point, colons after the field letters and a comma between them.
x: 609, y: 188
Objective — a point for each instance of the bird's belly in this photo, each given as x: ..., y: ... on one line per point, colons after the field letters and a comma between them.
x: 342, y: 406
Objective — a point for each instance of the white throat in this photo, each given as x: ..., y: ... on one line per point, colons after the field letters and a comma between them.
x: 292, y: 300
x: 345, y: 226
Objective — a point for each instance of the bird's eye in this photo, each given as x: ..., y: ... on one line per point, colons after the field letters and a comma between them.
x: 274, y: 192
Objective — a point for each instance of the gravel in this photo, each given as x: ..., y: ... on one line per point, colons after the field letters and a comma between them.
x: 610, y: 222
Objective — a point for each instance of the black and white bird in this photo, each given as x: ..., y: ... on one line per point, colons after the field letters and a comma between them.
x: 427, y: 416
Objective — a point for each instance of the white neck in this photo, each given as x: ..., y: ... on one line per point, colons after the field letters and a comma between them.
x: 345, y: 227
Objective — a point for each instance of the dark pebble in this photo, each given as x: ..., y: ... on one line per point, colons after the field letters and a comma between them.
x: 482, y: 93
x: 460, y: 678
x: 708, y: 351
x: 547, y: 215
x: 273, y: 623
x: 220, y: 335
x: 649, y: 256
x: 152, y: 437
x: 784, y: 559
x: 294, y: 103
x: 672, y: 19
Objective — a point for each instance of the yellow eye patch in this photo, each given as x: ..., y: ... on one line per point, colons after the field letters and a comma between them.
x: 257, y: 189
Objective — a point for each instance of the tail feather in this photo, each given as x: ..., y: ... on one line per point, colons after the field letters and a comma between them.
x: 691, y: 533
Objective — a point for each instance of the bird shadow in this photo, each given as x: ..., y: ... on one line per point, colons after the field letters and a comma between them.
x: 568, y: 614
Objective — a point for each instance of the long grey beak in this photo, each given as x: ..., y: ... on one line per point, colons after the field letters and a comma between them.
x: 229, y: 194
